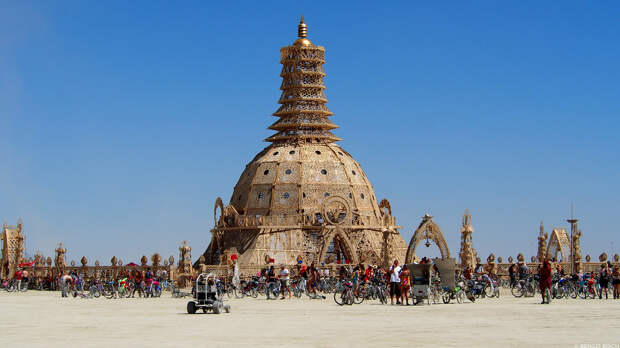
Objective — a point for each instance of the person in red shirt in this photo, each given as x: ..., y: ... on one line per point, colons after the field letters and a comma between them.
x: 467, y: 273
x: 18, y: 277
x: 368, y: 274
x: 545, y: 279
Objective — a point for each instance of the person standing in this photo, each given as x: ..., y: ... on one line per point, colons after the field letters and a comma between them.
x: 616, y: 282
x: 368, y: 274
x: 523, y: 270
x: 545, y: 279
x: 65, y: 282
x: 355, y: 278
x: 604, y: 281
x: 405, y: 285
x: 271, y: 280
x: 25, y: 279
x: 312, y: 279
x: 284, y: 277
x: 303, y: 274
x: 395, y: 282
x: 18, y: 278
x: 512, y: 274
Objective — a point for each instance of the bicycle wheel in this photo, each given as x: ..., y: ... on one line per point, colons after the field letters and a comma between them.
x: 434, y: 295
x: 572, y: 292
x: 239, y: 293
x: 382, y: 297
x: 517, y: 291
x: 562, y: 292
x: 488, y: 291
x: 358, y: 297
x: 108, y: 293
x: 582, y: 293
x: 460, y: 296
x: 531, y: 290
x: 592, y: 294
x: 340, y: 298
x: 297, y: 292
x: 350, y: 297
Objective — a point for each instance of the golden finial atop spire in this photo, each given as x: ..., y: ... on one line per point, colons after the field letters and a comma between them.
x: 302, y: 32
x: 302, y: 28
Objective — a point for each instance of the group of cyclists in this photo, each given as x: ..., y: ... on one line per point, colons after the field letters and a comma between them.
x: 129, y: 283
x: 316, y: 281
x: 553, y: 282
x: 550, y: 280
x: 19, y: 282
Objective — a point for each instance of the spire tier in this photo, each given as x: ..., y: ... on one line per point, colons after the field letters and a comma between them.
x: 303, y: 114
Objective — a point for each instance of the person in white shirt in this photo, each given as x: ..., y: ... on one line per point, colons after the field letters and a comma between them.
x: 395, y: 282
x: 284, y: 277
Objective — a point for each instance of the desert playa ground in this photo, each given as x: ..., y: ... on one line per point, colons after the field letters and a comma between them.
x: 45, y: 319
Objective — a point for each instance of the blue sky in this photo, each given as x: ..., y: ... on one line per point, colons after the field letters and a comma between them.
x: 123, y: 121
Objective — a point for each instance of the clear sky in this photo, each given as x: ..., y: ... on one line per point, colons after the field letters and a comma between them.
x: 123, y: 121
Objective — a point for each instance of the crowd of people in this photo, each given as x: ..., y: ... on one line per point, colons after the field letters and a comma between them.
x: 312, y: 279
x: 396, y: 278
x: 72, y: 282
x: 550, y: 272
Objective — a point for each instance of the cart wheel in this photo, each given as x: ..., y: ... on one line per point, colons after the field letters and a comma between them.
x: 204, y: 309
x: 216, y: 307
x: 227, y: 308
x: 191, y: 307
x: 446, y: 298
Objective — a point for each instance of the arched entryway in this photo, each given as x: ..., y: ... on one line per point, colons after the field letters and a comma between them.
x: 559, y: 243
x: 337, y: 248
x: 427, y: 230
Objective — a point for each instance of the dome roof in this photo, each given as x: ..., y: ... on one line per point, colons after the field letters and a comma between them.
x: 298, y: 178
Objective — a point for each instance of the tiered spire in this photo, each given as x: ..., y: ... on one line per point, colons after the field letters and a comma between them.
x: 303, y: 114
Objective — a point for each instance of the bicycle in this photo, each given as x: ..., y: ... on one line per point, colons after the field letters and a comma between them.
x: 273, y: 288
x: 345, y: 296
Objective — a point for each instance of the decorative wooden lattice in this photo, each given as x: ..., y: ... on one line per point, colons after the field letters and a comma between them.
x: 12, y: 248
x: 467, y: 253
x: 303, y: 114
x: 304, y: 196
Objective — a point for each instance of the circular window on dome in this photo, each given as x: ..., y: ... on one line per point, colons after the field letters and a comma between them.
x: 276, y: 153
x: 362, y: 195
x: 286, y: 195
x: 266, y: 172
x: 340, y: 153
x: 291, y: 153
x: 317, y: 152
x: 354, y: 173
x: 323, y: 171
x: 350, y: 195
x: 288, y: 172
x: 326, y: 194
x: 303, y: 195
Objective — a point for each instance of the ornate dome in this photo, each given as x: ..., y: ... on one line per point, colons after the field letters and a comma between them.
x: 304, y: 198
x: 299, y: 178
